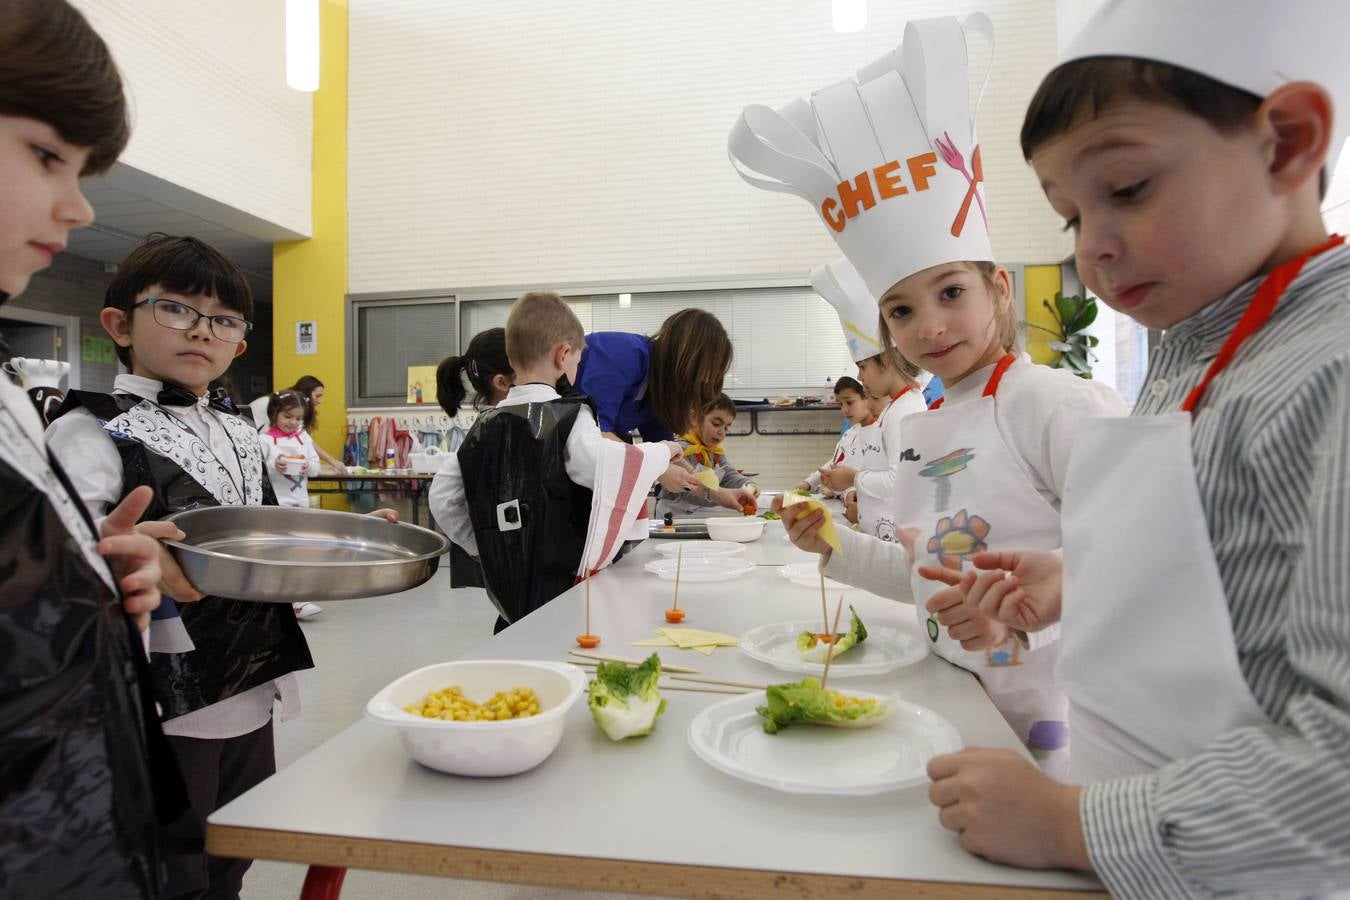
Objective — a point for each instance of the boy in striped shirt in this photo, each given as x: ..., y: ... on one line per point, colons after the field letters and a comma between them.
x: 1206, y: 562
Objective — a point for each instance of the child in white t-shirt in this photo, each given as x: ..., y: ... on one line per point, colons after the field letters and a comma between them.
x: 853, y: 403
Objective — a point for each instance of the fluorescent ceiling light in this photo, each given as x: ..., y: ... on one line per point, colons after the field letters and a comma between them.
x: 302, y: 45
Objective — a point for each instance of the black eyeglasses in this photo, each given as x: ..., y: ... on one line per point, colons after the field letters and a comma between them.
x: 179, y: 316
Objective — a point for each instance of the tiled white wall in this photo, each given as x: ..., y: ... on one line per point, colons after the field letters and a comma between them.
x: 519, y: 142
x: 211, y: 111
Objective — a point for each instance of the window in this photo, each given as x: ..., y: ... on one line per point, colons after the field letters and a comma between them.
x: 387, y: 337
x: 785, y: 340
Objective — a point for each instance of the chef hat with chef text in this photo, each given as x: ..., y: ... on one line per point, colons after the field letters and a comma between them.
x: 843, y: 288
x: 1253, y: 45
x: 888, y: 159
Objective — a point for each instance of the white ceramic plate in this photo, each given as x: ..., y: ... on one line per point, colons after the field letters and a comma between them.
x: 807, y: 574
x: 887, y: 648
x: 701, y: 568
x: 694, y: 549
x: 814, y: 759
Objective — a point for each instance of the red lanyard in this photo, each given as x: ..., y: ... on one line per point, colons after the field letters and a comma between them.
x: 990, y: 386
x: 1256, y: 314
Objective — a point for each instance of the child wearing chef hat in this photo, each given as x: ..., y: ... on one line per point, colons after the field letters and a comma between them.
x: 1185, y: 150
x: 890, y: 164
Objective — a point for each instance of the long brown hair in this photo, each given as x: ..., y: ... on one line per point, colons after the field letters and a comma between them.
x: 691, y: 354
x: 305, y: 386
x: 56, y: 69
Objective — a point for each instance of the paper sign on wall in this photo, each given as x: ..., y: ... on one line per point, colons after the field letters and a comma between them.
x: 97, y: 350
x: 421, y: 383
x: 306, y: 338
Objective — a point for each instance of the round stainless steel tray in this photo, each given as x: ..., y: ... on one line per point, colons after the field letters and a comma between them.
x: 287, y: 555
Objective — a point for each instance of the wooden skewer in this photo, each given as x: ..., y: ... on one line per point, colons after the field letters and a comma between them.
x: 605, y: 657
x: 824, y: 612
x: 588, y: 640
x: 701, y: 690
x: 829, y: 654
x: 739, y: 684
x: 679, y: 564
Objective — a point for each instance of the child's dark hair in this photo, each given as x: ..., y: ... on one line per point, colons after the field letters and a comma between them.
x: 723, y: 403
x: 184, y: 265
x: 848, y: 383
x: 283, y: 400
x: 305, y: 386
x: 484, y: 358
x: 56, y: 69
x: 691, y: 354
x: 1088, y: 87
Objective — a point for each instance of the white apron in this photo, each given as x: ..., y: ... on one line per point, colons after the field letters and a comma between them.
x: 876, y: 510
x: 1139, y: 572
x: 968, y: 492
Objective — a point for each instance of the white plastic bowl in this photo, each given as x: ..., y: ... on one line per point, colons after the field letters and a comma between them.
x: 742, y: 530
x: 481, y: 748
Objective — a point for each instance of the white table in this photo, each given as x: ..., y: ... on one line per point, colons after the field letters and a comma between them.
x: 646, y: 815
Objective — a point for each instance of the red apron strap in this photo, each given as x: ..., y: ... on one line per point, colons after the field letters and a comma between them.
x: 1257, y: 313
x: 991, y: 387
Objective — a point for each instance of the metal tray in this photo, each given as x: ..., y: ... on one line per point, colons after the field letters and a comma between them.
x: 288, y: 555
x: 657, y: 529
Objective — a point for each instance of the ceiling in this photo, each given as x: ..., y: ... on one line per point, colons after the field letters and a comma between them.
x: 128, y: 205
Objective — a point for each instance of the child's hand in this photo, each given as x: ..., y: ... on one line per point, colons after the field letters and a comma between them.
x: 280, y: 465
x: 851, y: 507
x: 974, y: 630
x: 838, y: 478
x: 389, y: 515
x: 1020, y: 588
x: 1006, y: 810
x: 172, y: 581
x: 678, y: 478
x: 739, y: 499
x: 804, y: 532
x: 133, y: 558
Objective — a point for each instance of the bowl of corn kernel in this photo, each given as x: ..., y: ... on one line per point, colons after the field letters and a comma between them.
x: 480, y: 717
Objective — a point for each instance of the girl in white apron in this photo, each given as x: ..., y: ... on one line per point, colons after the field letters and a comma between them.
x: 890, y: 163
x: 887, y: 378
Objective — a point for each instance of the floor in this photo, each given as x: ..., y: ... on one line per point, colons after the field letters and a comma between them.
x: 359, y: 646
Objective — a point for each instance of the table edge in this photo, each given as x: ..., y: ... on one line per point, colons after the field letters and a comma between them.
x: 584, y: 872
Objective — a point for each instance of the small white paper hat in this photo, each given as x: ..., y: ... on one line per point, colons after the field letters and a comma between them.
x: 888, y: 160
x: 1254, y: 45
x: 843, y: 288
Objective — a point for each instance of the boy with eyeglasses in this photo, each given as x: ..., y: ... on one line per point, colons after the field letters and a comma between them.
x: 179, y: 313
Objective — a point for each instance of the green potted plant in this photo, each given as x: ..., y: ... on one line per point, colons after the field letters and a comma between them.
x: 1072, y: 315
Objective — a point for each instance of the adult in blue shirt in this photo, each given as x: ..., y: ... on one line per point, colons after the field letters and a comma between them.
x: 656, y: 385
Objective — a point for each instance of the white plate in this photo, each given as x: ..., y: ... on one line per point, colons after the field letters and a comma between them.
x: 808, y: 575
x: 885, y: 650
x: 815, y: 759
x: 694, y: 549
x: 701, y: 568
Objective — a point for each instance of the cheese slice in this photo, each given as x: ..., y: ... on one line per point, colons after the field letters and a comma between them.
x: 804, y: 506
x: 693, y: 638
x: 708, y: 478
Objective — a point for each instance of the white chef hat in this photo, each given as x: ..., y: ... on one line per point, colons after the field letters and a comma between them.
x: 889, y: 159
x: 841, y: 285
x: 1254, y: 45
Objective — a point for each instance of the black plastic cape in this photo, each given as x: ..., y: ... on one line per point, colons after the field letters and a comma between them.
x: 90, y: 795
x: 240, y: 644
x: 528, y: 517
